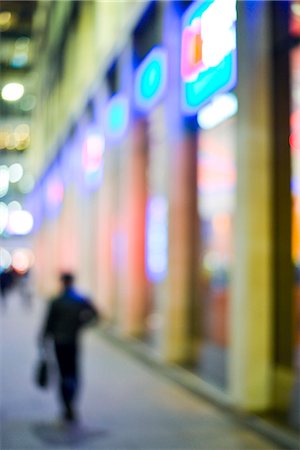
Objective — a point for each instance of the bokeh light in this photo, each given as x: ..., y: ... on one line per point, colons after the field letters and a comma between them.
x: 22, y: 260
x: 5, y: 259
x: 12, y: 92
x: 4, y: 180
x: 15, y: 172
x: 3, y: 216
x: 20, y: 222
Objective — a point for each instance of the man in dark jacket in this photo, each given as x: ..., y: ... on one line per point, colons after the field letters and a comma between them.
x: 67, y: 315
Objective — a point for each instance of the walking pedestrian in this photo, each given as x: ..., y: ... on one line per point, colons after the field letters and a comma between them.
x: 67, y: 314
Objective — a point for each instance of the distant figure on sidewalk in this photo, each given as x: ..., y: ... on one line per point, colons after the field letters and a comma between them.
x: 7, y: 280
x: 67, y: 314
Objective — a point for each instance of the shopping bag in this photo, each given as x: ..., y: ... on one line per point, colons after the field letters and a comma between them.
x: 42, y: 373
x: 45, y: 368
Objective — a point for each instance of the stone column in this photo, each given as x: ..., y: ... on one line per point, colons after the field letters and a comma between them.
x: 180, y: 316
x: 250, y: 318
x: 133, y: 295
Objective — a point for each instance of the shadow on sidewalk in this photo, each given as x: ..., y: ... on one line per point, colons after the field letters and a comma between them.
x: 57, y: 434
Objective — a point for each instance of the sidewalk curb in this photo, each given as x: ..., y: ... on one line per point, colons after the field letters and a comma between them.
x: 197, y: 386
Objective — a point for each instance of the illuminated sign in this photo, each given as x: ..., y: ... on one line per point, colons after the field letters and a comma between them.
x: 150, y: 79
x: 221, y: 107
x: 208, y: 52
x: 116, y: 117
x: 93, y: 158
x: 157, y: 238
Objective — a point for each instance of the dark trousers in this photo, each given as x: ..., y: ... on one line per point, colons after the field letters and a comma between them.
x: 67, y: 355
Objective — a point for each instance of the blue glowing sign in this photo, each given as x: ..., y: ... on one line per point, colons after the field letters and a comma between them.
x: 150, y: 79
x: 116, y: 117
x: 208, y: 52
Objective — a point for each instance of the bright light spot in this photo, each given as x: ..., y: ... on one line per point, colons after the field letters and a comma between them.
x: 26, y: 184
x: 208, y: 52
x: 22, y: 136
x: 4, y: 180
x: 22, y: 260
x: 19, y: 60
x: 5, y: 259
x: 92, y: 152
x: 5, y: 18
x: 14, y: 206
x: 295, y: 7
x: 12, y: 92
x: 15, y: 172
x: 3, y: 216
x: 221, y: 108
x: 22, y: 130
x: 116, y: 116
x: 20, y: 223
x: 150, y: 79
x: 219, y: 16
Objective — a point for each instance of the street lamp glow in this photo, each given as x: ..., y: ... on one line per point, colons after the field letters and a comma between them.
x: 12, y: 92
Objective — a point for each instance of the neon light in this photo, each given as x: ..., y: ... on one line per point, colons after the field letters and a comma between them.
x: 116, y: 117
x: 93, y: 158
x: 191, y: 51
x: 92, y: 152
x: 208, y: 52
x: 221, y: 107
x: 150, y: 79
x: 157, y: 238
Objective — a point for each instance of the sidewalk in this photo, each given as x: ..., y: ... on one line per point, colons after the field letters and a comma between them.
x: 124, y: 404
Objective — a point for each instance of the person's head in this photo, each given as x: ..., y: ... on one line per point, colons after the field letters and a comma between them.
x: 67, y: 280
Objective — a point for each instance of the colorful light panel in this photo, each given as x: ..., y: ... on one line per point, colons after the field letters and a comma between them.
x: 208, y: 52
x: 116, y: 117
x: 150, y: 79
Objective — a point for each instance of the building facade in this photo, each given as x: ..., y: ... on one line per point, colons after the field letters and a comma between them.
x: 171, y: 183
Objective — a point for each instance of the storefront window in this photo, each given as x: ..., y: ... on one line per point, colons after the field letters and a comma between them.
x: 156, y: 225
x: 216, y: 203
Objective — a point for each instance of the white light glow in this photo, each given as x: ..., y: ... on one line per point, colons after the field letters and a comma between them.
x: 20, y: 222
x: 4, y: 180
x: 14, y: 206
x: 15, y: 172
x: 93, y: 151
x: 295, y: 7
x: 219, y: 16
x: 5, y: 259
x: 3, y: 216
x: 12, y: 92
x: 22, y: 260
x: 221, y: 108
